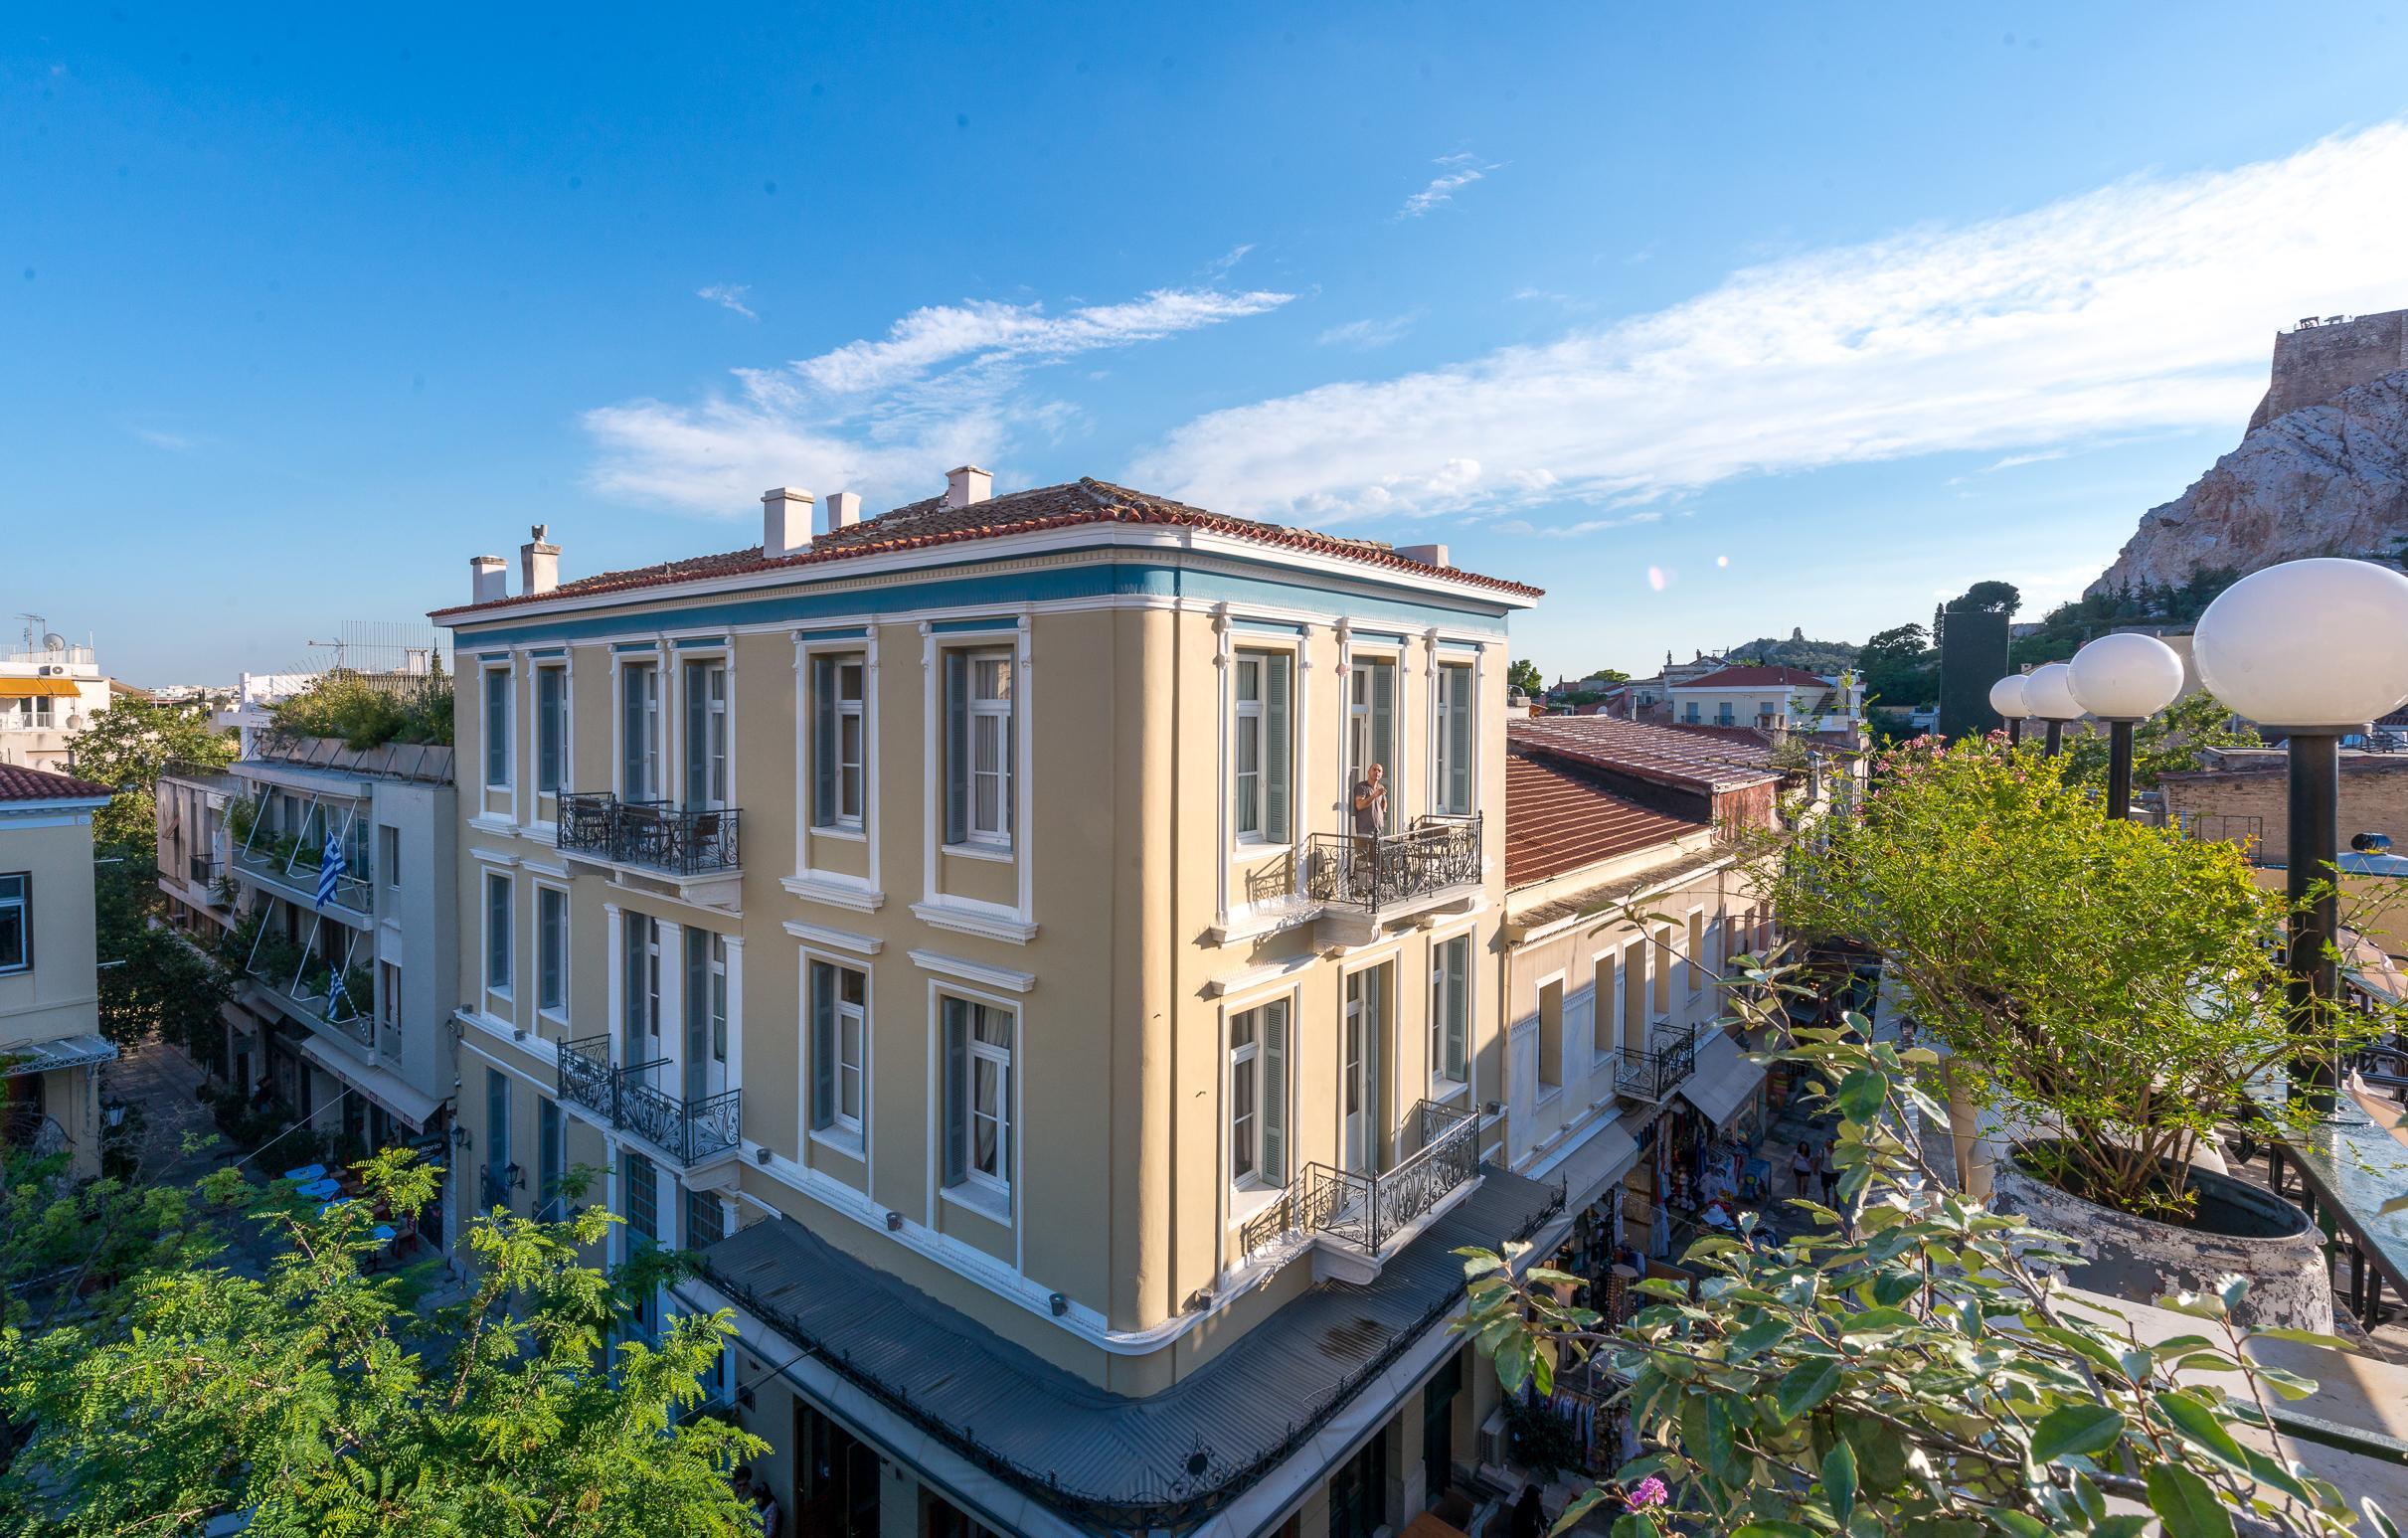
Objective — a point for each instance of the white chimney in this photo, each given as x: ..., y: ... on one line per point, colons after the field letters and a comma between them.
x: 966, y: 485
x: 492, y: 578
x: 1428, y: 554
x: 786, y: 521
x: 538, y: 563
x: 845, y: 510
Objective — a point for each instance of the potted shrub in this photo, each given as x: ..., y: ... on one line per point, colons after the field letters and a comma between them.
x: 2108, y: 990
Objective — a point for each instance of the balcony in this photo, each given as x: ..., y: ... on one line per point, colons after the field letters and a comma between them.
x: 1353, y: 1220
x: 307, y: 991
x: 1362, y: 883
x: 687, y: 1133
x: 695, y: 847
x: 1652, y: 1073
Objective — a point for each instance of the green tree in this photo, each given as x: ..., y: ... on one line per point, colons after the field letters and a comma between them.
x: 370, y: 711
x: 2171, y: 742
x: 1899, y: 667
x: 151, y: 978
x: 322, y: 1399
x: 1994, y: 598
x: 125, y: 749
x: 1524, y: 675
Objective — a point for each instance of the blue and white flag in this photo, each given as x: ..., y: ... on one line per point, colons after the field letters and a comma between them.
x: 330, y: 869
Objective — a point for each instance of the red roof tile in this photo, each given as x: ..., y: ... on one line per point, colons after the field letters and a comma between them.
x: 1707, y: 763
x: 20, y: 783
x: 920, y: 525
x: 1749, y: 677
x: 1559, y: 818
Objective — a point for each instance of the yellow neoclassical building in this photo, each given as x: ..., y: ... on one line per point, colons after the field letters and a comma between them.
x: 1043, y: 951
x: 51, y: 1046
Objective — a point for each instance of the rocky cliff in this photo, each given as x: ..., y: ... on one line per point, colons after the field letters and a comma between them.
x: 2325, y: 480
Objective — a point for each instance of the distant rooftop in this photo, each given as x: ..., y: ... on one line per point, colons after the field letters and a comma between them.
x: 20, y: 783
x: 1560, y: 817
x: 1689, y: 761
x: 1753, y: 677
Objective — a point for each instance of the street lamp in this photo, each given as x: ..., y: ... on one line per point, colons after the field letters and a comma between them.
x: 2123, y: 680
x: 2048, y: 695
x: 2006, y: 698
x: 2312, y: 651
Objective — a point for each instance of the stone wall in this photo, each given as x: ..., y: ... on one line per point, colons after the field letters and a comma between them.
x: 2316, y: 362
x: 2374, y: 799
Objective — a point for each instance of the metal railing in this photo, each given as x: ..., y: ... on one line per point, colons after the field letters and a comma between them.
x: 1368, y: 1211
x: 491, y: 1189
x: 1374, y: 873
x: 687, y: 1130
x: 685, y: 841
x: 201, y: 870
x: 1655, y: 1071
x: 2248, y: 832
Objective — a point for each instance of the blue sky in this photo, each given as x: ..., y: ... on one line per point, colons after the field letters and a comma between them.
x: 1711, y: 321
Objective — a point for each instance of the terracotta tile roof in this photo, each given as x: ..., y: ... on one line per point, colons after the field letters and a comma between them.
x: 1559, y: 818
x: 921, y: 525
x: 1748, y: 735
x: 1749, y: 677
x: 1662, y: 753
x: 20, y: 783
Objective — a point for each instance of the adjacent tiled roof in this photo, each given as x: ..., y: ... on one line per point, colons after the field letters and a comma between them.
x: 1747, y: 736
x: 1749, y: 677
x: 921, y: 525
x: 20, y: 783
x: 1558, y: 818
x: 1649, y: 752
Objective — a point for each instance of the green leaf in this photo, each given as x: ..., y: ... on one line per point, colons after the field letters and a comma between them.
x: 1862, y: 1092
x: 2186, y: 1504
x: 2199, y: 1425
x: 1756, y: 1337
x: 2021, y: 1523
x: 1873, y: 1319
x: 2128, y: 1527
x: 2376, y: 1517
x: 1636, y: 1526
x: 2075, y: 1429
x: 1804, y: 1386
x: 1840, y: 1480
x: 1773, y: 1529
x: 2304, y: 1338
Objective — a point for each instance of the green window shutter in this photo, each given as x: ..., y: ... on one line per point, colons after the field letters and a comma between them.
x: 698, y: 749
x: 823, y: 741
x: 1458, y: 1004
x: 956, y: 1090
x: 632, y: 733
x: 956, y: 747
x: 1383, y: 728
x: 1274, y: 747
x: 1459, y: 737
x: 698, y: 1007
x: 631, y: 985
x: 1275, y: 1094
x: 823, y: 1044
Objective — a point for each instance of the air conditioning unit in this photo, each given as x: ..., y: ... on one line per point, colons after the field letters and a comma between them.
x: 1493, y: 1442
x: 52, y: 669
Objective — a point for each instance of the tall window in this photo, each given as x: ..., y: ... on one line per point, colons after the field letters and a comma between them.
x: 1449, y: 1008
x: 551, y: 730
x: 704, y: 1223
x: 643, y: 1198
x: 1258, y: 1095
x: 497, y: 726
x: 1605, y: 1005
x: 387, y: 996
x: 706, y: 1012
x: 1259, y: 746
x: 388, y: 854
x: 1371, y: 727
x: 1451, y: 791
x: 640, y: 987
x: 551, y: 1159
x: 639, y: 732
x: 497, y: 932
x: 551, y: 947
x: 978, y: 1095
x: 706, y: 734
x: 978, y: 747
x: 1698, y: 964
x: 497, y: 1137
x: 839, y: 742
x: 16, y: 922
x: 1550, y: 1037
x: 839, y: 1034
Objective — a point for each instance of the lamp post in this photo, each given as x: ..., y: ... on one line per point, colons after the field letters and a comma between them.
x: 2006, y: 698
x: 2311, y: 650
x: 2123, y: 680
x: 2048, y: 695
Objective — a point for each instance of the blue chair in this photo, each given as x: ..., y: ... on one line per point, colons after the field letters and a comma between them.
x: 306, y: 1172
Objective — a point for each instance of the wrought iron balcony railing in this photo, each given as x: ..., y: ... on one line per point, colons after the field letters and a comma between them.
x: 1393, y: 869
x: 1369, y: 1211
x: 687, y: 1130
x: 1654, y: 1072
x: 492, y: 1188
x: 683, y: 841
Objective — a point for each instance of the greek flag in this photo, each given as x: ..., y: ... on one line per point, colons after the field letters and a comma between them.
x: 330, y: 869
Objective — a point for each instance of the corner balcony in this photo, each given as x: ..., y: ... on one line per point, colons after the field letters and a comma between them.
x: 688, y: 1133
x: 693, y: 849
x: 334, y: 1004
x: 1362, y: 883
x: 1355, y: 1222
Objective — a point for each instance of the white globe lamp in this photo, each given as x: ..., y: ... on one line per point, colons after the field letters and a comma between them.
x: 2124, y: 679
x: 2048, y: 695
x: 2006, y: 698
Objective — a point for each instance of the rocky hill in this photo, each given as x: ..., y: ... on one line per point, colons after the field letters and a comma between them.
x: 2323, y: 479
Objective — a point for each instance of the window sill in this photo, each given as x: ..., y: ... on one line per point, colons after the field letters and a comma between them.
x: 837, y: 1140
x: 994, y: 1206
x: 1443, y: 1089
x: 1244, y: 851
x: 1248, y: 1200
x: 1001, y: 854
x: 1548, y: 1095
x: 851, y: 833
x: 555, y: 1017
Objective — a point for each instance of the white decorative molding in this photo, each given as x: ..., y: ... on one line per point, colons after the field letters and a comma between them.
x: 836, y: 893
x: 498, y: 857
x: 973, y: 972
x: 834, y: 939
x: 987, y: 921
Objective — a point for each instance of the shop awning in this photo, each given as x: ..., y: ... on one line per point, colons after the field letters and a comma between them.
x: 39, y: 688
x: 1723, y: 1080
x: 380, y: 1085
x: 1591, y: 1165
x: 17, y: 1058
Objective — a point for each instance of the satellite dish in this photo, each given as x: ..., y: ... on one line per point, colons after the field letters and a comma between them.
x: 75, y: 723
x: 54, y: 641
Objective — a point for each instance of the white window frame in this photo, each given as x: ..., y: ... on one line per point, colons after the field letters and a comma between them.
x: 1693, y: 940
x: 1442, y: 756
x: 849, y: 1137
x: 1243, y: 710
x: 976, y: 1191
x: 544, y: 938
x: 1542, y: 1093
x: 545, y: 719
x: 506, y: 955
x: 718, y: 726
x: 21, y: 903
x: 1443, y: 1087
x: 389, y: 994
x: 998, y: 1058
x: 1247, y: 1064
x: 998, y: 713
x: 1606, y: 1015
x: 495, y: 681
x: 651, y: 663
x: 855, y: 713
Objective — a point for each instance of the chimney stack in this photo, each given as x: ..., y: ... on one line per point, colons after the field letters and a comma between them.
x: 1427, y: 555
x: 845, y: 510
x: 539, y: 563
x: 786, y: 521
x: 491, y: 577
x: 967, y: 485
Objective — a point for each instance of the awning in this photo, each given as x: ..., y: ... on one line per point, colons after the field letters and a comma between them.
x: 380, y: 1085
x: 1723, y: 1079
x: 39, y: 688
x: 1591, y: 1165
x: 19, y: 1058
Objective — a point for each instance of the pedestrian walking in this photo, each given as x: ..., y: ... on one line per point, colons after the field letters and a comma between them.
x: 1826, y: 1171
x: 1801, y: 1164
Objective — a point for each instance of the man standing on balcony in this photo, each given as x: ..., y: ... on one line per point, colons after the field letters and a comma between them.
x: 1370, y: 821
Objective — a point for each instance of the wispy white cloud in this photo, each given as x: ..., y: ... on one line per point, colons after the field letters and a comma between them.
x: 729, y: 296
x: 173, y: 442
x: 2146, y: 305
x: 885, y: 415
x: 1219, y: 267
x: 1364, y: 335
x: 1456, y: 172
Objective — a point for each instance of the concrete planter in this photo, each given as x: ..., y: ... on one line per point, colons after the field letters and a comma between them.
x: 2240, y: 1230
